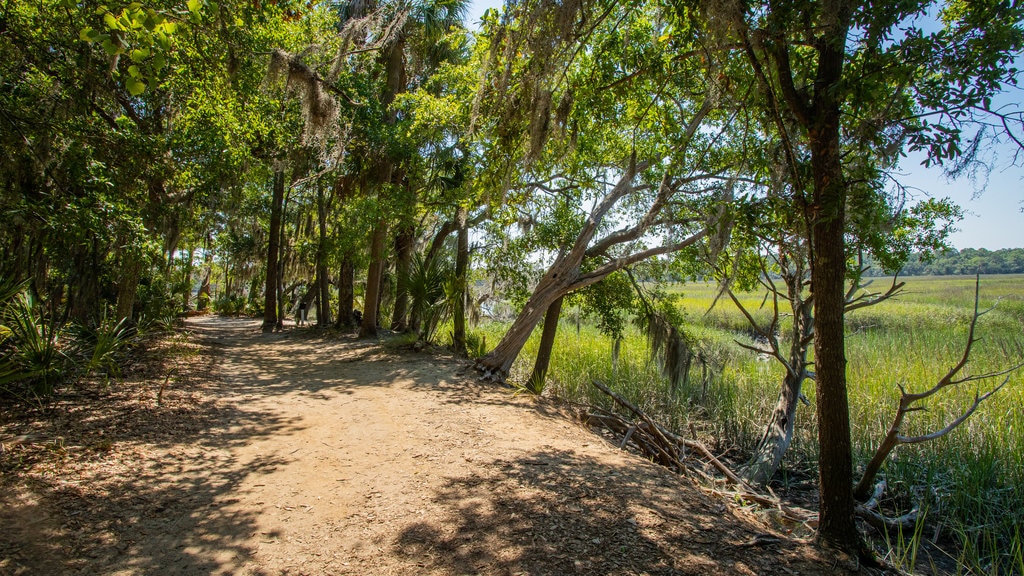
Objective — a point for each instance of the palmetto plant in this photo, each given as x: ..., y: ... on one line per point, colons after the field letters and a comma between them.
x: 101, y: 348
x: 30, y: 352
x: 431, y: 290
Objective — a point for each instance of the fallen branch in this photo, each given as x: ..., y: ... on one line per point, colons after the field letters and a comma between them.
x: 671, y: 442
x: 905, y: 522
x: 668, y: 449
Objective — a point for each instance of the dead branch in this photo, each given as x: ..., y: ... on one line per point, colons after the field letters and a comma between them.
x: 671, y: 442
x: 908, y: 403
x: 865, y: 298
x: 882, y: 523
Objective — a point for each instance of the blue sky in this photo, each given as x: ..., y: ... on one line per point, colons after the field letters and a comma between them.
x: 993, y: 217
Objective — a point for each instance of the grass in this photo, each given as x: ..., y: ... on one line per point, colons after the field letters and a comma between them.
x: 971, y: 481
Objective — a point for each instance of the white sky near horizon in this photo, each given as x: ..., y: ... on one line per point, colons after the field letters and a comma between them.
x: 993, y: 206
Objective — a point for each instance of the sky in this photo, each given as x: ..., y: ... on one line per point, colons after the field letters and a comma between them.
x: 993, y: 216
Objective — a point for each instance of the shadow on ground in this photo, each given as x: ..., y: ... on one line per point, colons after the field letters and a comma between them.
x: 104, y: 483
x: 557, y: 512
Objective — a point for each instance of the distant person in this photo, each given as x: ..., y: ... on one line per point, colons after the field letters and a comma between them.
x: 302, y: 314
x: 357, y: 316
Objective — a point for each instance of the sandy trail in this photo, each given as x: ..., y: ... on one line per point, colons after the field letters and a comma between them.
x: 305, y: 454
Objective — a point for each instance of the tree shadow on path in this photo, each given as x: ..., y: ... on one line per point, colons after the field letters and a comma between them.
x: 559, y: 512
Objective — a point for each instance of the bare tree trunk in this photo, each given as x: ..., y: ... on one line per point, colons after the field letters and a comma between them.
x: 270, y: 316
x: 555, y: 284
x: 204, y: 285
x: 461, y: 273
x: 323, y: 308
x: 778, y: 434
x: 127, y: 287
x: 187, y: 296
x: 346, y: 293
x: 368, y: 328
x: 404, y: 240
x: 547, y: 344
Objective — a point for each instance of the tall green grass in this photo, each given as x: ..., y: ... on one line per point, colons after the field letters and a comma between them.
x: 971, y: 481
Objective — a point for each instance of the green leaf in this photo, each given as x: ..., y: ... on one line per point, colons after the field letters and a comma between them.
x: 159, y: 62
x: 111, y: 21
x: 134, y: 72
x: 110, y: 47
x: 194, y: 5
x: 135, y: 86
x: 140, y: 54
x: 87, y: 34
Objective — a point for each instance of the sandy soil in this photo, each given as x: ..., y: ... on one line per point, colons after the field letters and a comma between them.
x: 298, y: 453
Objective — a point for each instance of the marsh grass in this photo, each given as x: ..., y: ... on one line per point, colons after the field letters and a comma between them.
x: 971, y: 481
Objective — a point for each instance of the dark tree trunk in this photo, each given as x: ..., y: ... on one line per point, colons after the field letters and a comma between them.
x: 404, y: 241
x: 84, y: 289
x: 270, y: 316
x: 837, y: 523
x: 828, y: 274
x: 323, y: 308
x: 547, y: 344
x: 346, y: 293
x: 371, y: 304
x: 461, y: 280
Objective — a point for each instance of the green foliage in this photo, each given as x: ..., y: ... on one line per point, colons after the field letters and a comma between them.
x: 951, y: 262
x: 103, y: 347
x: 608, y: 302
x: 30, y: 357
x: 431, y: 290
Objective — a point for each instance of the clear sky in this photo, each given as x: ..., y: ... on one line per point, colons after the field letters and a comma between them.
x: 993, y: 206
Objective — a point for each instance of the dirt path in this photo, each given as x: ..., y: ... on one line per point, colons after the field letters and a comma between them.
x: 298, y: 454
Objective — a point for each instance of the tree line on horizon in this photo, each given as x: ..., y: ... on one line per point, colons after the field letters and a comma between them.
x: 965, y: 262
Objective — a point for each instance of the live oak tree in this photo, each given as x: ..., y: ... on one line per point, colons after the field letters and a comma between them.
x: 609, y: 148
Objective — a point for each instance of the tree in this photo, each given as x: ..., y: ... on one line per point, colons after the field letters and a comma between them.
x: 822, y: 69
x: 558, y: 101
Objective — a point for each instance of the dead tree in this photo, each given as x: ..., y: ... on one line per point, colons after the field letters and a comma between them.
x: 910, y: 402
x: 790, y: 263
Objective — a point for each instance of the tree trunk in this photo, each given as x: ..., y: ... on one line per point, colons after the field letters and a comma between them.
x: 371, y: 304
x: 84, y: 287
x: 837, y: 525
x: 778, y: 435
x: 404, y: 241
x: 127, y: 287
x: 346, y: 293
x: 323, y: 307
x: 547, y: 343
x: 186, y: 299
x: 204, y: 285
x: 555, y: 284
x: 461, y: 280
x: 270, y: 316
